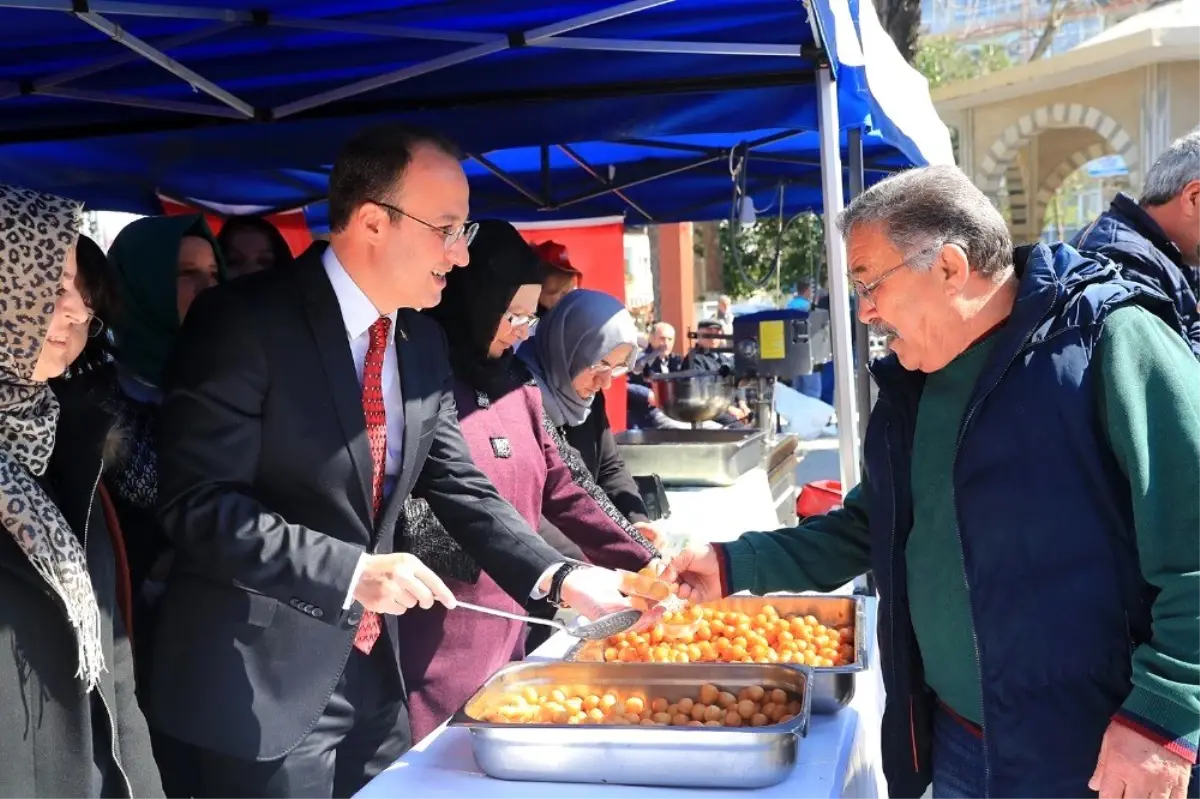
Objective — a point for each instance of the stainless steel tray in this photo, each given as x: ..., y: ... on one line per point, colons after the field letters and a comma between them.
x: 833, y: 687
x: 692, y: 457
x: 678, y: 757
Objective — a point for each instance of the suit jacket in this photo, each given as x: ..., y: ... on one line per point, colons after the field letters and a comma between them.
x: 264, y: 488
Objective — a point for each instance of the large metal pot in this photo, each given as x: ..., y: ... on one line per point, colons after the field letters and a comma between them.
x: 693, y: 396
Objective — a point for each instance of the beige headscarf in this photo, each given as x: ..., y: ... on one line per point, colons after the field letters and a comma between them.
x: 36, y: 233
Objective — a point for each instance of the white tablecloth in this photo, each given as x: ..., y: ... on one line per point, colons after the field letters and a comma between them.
x: 719, y: 513
x: 838, y: 758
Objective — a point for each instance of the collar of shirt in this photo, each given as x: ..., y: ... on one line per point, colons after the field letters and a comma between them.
x: 358, y: 312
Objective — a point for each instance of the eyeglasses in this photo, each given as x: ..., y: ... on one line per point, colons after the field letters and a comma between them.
x: 466, y: 230
x: 95, y: 325
x: 604, y: 367
x: 867, y: 290
x: 516, y: 320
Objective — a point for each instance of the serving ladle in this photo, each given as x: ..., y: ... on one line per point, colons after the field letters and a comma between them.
x: 597, y: 630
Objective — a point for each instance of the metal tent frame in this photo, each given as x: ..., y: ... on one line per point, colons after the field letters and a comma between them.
x: 96, y: 14
x: 226, y: 108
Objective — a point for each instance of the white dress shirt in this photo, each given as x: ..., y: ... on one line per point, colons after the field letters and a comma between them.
x: 358, y: 314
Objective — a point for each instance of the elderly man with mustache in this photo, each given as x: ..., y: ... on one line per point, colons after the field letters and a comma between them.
x: 1028, y: 504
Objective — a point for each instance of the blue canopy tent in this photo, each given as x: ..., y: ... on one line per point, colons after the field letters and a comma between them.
x: 244, y: 101
x: 670, y: 179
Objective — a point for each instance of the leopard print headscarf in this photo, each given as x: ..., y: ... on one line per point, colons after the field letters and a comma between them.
x: 36, y: 233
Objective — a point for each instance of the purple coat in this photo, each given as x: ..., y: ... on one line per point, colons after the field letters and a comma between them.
x: 446, y: 656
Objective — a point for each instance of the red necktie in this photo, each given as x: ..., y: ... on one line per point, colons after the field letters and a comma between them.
x: 370, y: 628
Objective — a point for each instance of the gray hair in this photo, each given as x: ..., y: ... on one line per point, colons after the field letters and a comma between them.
x: 921, y: 209
x: 1178, y: 166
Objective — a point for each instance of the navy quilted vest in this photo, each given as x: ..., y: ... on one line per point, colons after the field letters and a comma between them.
x: 1046, y: 524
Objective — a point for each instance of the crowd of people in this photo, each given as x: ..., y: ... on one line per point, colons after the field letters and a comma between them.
x: 228, y: 474
x: 243, y: 492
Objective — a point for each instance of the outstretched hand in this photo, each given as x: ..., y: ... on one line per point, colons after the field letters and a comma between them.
x: 697, y: 570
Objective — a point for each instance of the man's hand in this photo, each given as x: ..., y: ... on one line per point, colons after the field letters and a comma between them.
x: 698, y: 573
x: 655, y: 536
x: 594, y: 592
x: 398, y: 582
x: 1132, y: 765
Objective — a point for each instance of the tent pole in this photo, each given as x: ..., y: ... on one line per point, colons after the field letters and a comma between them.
x: 525, y: 38
x: 862, y: 340
x: 158, y: 58
x: 133, y: 101
x: 586, y: 167
x: 506, y: 178
x: 96, y: 67
x: 839, y: 282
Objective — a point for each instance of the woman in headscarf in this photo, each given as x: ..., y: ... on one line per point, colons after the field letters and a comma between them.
x: 71, y: 725
x: 580, y: 346
x: 486, y: 309
x: 89, y: 428
x: 161, y: 264
x: 251, y: 244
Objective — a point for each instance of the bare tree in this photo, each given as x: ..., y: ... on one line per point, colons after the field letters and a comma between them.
x: 1056, y: 13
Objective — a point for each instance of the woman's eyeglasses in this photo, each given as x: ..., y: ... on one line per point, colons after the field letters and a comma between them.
x: 516, y: 320
x: 609, y: 369
x: 95, y: 325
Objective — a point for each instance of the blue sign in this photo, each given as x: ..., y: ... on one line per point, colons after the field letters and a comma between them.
x: 1110, y: 166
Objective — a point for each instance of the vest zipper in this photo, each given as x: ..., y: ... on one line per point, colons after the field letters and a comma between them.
x: 962, y: 559
x: 112, y: 719
x: 962, y: 556
x: 912, y: 730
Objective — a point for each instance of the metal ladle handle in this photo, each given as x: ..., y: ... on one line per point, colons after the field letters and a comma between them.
x: 513, y: 616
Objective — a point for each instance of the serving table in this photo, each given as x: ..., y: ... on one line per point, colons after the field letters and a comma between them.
x: 839, y: 758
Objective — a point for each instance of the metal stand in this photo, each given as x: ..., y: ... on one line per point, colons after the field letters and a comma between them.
x: 862, y: 336
x: 839, y: 282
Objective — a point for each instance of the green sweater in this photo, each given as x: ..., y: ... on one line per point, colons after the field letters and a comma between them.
x: 1149, y: 396
x: 937, y: 585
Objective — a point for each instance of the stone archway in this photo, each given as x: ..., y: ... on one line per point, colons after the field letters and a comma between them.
x: 1063, y: 171
x: 1000, y: 157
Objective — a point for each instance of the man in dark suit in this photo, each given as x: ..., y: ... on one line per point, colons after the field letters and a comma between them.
x: 304, y: 406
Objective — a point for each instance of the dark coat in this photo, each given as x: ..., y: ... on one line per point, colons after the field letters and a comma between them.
x: 55, y: 740
x: 1044, y: 716
x: 264, y: 478
x: 1131, y: 239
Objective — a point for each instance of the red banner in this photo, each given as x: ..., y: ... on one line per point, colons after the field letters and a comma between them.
x: 596, y: 247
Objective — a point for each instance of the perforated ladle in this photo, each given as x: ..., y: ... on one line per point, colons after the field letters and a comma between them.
x: 597, y: 630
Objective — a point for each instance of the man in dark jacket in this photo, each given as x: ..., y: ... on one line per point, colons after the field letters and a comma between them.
x: 1027, y: 504
x: 1156, y: 240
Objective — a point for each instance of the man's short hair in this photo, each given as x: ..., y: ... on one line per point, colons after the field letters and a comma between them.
x: 1178, y: 166
x: 371, y: 165
x: 932, y: 205
x: 663, y: 328
x: 802, y: 286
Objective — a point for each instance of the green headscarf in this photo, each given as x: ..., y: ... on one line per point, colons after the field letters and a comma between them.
x: 145, y: 258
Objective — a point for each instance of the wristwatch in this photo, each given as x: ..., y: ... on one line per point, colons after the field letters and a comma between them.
x: 554, y: 596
